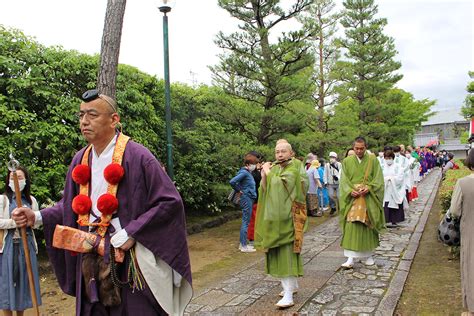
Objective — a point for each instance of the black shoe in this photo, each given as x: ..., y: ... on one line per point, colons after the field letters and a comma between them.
x: 332, y: 212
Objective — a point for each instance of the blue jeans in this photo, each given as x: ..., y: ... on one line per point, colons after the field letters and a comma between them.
x: 246, y: 203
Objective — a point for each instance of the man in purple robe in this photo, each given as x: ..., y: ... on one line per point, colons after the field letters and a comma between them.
x: 150, y: 219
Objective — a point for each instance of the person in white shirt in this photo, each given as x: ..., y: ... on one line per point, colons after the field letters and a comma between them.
x: 403, y: 162
x: 394, y: 190
x: 332, y: 173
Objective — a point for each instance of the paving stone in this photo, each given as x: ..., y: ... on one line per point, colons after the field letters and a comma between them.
x: 214, y: 298
x: 359, y: 300
x: 239, y: 287
x: 359, y: 275
x: 377, y: 292
x: 329, y: 312
x: 238, y: 300
x: 358, y: 309
x: 367, y: 271
x: 371, y: 277
x: 191, y: 308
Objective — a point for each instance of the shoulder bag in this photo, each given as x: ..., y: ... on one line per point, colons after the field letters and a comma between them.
x: 358, y: 211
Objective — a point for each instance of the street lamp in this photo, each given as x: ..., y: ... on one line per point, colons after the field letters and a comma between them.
x: 165, y: 7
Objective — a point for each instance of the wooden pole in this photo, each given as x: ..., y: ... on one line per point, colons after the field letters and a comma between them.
x: 24, y: 240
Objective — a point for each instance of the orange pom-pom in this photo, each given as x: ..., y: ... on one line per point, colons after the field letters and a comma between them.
x: 107, y: 204
x: 81, y: 204
x: 113, y: 173
x: 81, y: 174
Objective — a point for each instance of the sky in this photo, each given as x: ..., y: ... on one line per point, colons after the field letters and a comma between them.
x: 434, y: 38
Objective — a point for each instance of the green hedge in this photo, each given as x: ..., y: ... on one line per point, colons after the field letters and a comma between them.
x: 447, y: 186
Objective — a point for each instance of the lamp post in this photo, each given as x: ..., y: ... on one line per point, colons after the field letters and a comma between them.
x: 165, y: 7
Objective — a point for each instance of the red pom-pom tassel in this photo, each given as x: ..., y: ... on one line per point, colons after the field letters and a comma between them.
x: 81, y: 204
x: 81, y: 174
x: 107, y: 204
x: 113, y: 173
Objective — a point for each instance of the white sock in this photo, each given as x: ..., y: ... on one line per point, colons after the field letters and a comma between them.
x: 349, y: 261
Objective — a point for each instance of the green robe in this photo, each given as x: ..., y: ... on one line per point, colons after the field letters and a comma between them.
x: 274, y: 224
x: 355, y: 235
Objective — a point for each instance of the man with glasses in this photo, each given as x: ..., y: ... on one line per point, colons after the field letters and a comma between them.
x: 116, y: 189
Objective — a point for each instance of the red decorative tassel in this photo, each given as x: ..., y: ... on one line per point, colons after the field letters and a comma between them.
x: 81, y: 204
x: 81, y: 174
x: 107, y: 204
x: 113, y: 173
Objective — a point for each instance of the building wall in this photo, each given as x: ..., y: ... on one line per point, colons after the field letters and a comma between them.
x: 446, y: 130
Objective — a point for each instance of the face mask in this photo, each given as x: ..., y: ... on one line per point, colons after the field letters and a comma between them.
x: 252, y: 167
x: 22, y: 184
x: 408, y: 155
x: 397, y: 154
x: 381, y: 155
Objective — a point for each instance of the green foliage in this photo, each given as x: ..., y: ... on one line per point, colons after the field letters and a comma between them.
x: 267, y: 75
x: 321, y: 21
x: 468, y: 109
x: 369, y: 69
x: 447, y: 186
x: 464, y: 137
x: 213, y: 127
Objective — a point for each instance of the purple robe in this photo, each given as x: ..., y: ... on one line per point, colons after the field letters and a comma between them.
x: 150, y: 210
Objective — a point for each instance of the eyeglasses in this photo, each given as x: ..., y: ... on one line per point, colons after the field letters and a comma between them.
x: 91, y: 114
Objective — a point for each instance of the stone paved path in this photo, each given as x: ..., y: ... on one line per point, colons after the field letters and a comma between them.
x: 326, y: 289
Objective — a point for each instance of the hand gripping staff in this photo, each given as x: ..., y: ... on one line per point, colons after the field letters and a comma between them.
x: 12, y: 166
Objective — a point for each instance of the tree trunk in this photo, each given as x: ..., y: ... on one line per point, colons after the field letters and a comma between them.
x: 321, y: 93
x: 110, y: 50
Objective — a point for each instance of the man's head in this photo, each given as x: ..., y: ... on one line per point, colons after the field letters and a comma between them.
x: 332, y: 156
x: 310, y: 157
x: 98, y: 118
x: 450, y: 156
x: 360, y: 146
x: 283, y: 150
x: 396, y: 150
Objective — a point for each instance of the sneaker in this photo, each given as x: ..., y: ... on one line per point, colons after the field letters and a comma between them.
x: 369, y: 262
x: 247, y: 249
x: 349, y: 264
x: 284, y: 303
x: 319, y: 213
x: 332, y: 212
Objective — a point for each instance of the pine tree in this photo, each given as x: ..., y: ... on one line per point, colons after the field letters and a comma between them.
x: 369, y: 70
x: 268, y: 75
x: 321, y: 20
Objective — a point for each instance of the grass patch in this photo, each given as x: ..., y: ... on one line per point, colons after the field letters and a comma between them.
x: 433, y: 286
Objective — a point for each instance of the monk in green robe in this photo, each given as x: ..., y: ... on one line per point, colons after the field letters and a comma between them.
x: 283, y: 182
x: 361, y: 177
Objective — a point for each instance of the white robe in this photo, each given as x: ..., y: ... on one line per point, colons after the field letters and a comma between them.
x: 394, y: 184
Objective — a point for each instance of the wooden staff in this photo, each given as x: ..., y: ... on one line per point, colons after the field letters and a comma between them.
x: 12, y: 166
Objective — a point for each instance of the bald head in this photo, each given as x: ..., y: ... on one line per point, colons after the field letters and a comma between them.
x: 283, y: 150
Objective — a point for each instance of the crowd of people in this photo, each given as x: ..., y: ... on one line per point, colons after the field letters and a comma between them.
x: 117, y: 192
x: 370, y: 193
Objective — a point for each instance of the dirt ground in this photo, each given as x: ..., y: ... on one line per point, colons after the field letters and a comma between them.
x: 433, y: 286
x: 214, y: 255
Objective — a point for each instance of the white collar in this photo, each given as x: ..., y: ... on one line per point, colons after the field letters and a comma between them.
x: 109, y: 147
